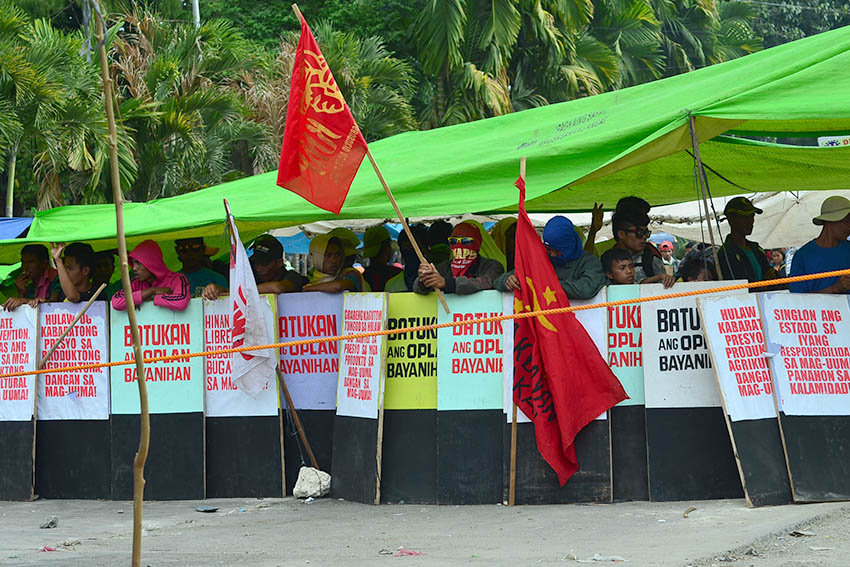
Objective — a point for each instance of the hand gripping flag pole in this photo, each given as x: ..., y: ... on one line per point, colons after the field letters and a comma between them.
x: 322, y: 144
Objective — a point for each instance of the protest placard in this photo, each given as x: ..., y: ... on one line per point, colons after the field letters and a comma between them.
x: 411, y: 357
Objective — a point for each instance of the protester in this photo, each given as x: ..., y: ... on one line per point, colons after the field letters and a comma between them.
x: 742, y: 259
x: 476, y: 262
x: 698, y: 266
x: 777, y: 262
x: 631, y: 207
x: 75, y: 268
x: 37, y: 282
x: 618, y: 266
x: 377, y: 247
x: 269, y: 268
x: 579, y: 272
x: 828, y: 252
x: 104, y: 268
x: 438, y: 242
x: 153, y: 280
x: 329, y: 273
x: 404, y: 281
x: 350, y: 244
x: 504, y: 235
x: 630, y: 234
x: 203, y: 282
x: 671, y: 264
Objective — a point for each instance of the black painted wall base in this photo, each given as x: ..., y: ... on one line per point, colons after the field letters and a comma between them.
x: 537, y: 483
x: 690, y: 455
x: 762, y: 461
x: 243, y: 457
x: 470, y: 456
x: 409, y: 463
x: 354, y: 475
x: 628, y: 453
x: 818, y: 449
x: 16, y: 466
x: 72, y: 459
x: 319, y: 427
x: 175, y: 465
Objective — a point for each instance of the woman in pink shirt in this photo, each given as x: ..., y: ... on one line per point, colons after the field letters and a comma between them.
x: 153, y: 280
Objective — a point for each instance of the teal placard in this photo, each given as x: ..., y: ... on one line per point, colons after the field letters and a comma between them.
x: 469, y: 357
x: 173, y: 387
x: 625, y: 350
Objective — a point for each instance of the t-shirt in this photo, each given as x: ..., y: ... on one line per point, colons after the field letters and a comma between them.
x: 199, y: 279
x: 812, y: 259
x: 640, y: 273
x: 755, y: 263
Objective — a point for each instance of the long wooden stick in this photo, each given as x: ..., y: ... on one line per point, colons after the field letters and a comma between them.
x: 118, y: 198
x: 71, y: 326
x: 296, y: 419
x: 703, y: 182
x: 512, y: 482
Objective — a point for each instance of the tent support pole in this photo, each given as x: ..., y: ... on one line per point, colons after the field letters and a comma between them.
x: 703, y: 183
x: 118, y: 198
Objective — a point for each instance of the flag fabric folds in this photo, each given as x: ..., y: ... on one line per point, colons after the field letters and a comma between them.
x: 322, y: 145
x: 561, y: 382
x: 251, y: 370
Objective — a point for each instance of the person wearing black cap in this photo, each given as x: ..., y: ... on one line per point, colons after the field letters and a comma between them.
x: 203, y: 282
x: 269, y: 270
x: 742, y: 259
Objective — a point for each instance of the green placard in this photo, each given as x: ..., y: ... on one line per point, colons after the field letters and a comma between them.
x: 411, y: 357
x: 625, y: 350
x: 173, y: 387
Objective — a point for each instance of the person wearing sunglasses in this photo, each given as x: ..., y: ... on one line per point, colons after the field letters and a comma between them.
x: 203, y: 282
x: 631, y: 234
x: 579, y: 272
x: 475, y: 263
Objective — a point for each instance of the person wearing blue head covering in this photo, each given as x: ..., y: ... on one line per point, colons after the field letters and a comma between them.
x: 579, y: 272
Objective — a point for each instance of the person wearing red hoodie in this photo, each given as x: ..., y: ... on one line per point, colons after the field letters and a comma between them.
x: 153, y: 280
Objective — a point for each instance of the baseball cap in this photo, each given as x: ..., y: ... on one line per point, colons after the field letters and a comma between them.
x: 666, y: 245
x: 267, y: 248
x: 741, y: 206
x: 350, y: 242
x: 833, y: 209
x: 373, y: 239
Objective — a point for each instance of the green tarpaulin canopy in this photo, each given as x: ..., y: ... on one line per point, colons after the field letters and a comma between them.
x: 599, y: 148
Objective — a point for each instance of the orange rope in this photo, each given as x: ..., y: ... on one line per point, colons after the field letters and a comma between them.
x: 673, y: 295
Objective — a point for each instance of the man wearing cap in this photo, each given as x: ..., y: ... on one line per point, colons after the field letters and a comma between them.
x: 203, y: 282
x: 828, y: 252
x: 269, y: 270
x: 377, y: 246
x: 742, y: 259
x: 666, y: 250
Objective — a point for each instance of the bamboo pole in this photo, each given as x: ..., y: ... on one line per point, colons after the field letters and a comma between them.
x: 118, y: 198
x: 390, y: 196
x: 71, y: 325
x: 512, y: 482
x: 703, y: 183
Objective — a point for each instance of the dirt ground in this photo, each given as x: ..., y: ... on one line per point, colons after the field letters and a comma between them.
x: 274, y: 532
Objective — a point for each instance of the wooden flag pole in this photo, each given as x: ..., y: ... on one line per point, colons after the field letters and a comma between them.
x: 512, y: 482
x: 389, y: 193
x: 71, y: 326
x: 118, y: 198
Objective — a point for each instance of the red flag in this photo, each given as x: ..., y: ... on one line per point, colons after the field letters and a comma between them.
x: 322, y: 145
x: 560, y: 380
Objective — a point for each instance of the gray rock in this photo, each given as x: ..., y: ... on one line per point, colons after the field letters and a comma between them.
x: 312, y: 483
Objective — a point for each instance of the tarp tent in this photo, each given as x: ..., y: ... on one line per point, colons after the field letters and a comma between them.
x: 631, y: 141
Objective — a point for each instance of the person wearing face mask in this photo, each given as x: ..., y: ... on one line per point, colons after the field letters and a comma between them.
x: 579, y: 272
x: 475, y: 263
x: 504, y: 235
x: 329, y: 273
x: 404, y: 281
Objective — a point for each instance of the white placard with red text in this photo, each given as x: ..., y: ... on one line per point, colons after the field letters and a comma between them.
x: 17, y: 354
x: 594, y: 322
x: 222, y: 397
x: 362, y: 361
x: 733, y: 328
x: 311, y: 371
x: 80, y: 394
x: 808, y: 336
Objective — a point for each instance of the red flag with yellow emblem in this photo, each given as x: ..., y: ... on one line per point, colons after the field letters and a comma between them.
x: 560, y: 380
x: 322, y: 145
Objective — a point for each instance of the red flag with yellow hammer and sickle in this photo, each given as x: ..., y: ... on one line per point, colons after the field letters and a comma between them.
x: 322, y: 145
x: 561, y: 382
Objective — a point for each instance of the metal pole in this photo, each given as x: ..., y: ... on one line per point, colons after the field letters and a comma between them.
x: 703, y: 182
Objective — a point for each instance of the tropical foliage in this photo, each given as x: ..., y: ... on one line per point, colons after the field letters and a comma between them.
x: 200, y: 105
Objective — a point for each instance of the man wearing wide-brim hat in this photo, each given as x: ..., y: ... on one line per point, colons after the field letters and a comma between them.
x: 828, y: 252
x: 742, y: 259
